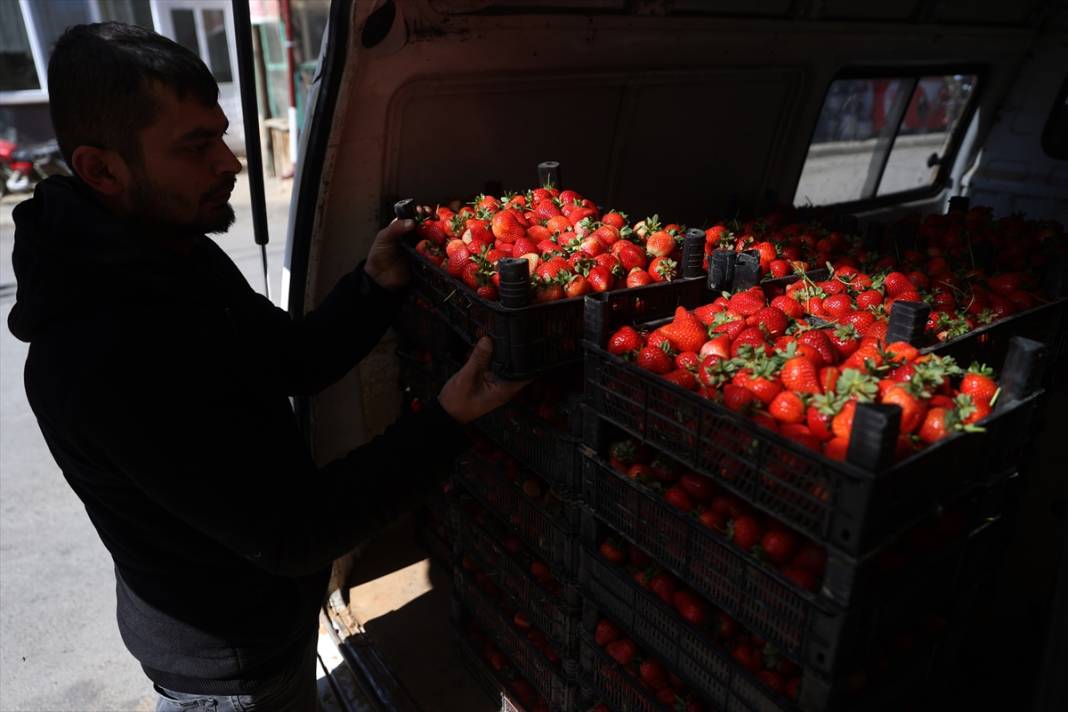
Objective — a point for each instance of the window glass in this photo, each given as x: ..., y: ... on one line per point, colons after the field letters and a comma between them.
x: 841, y: 155
x: 131, y: 12
x: 218, y: 46
x: 881, y: 136
x: 53, y: 17
x: 185, y: 29
x: 17, y: 72
x: 928, y: 126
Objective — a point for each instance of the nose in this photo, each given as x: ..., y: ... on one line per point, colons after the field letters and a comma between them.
x: 228, y: 162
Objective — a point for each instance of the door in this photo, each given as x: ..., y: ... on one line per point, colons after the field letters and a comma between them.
x: 207, y: 28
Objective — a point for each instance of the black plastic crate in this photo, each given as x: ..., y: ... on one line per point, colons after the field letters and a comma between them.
x: 549, y: 530
x: 490, y: 683
x: 552, y: 453
x: 554, y: 611
x: 856, y: 636
x: 528, y: 340
x: 851, y: 507
x: 553, y: 683
x: 688, y: 652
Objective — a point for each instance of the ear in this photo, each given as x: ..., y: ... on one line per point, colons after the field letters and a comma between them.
x: 102, y: 170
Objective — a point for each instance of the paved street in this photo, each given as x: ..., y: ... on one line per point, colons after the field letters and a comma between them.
x: 61, y: 649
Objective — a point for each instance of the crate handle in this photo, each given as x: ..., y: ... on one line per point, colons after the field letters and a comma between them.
x: 746, y: 270
x: 514, y: 285
x: 721, y: 270
x: 405, y: 209
x: 693, y: 253
x: 873, y: 439
x: 1023, y: 370
x: 908, y: 322
x: 549, y: 174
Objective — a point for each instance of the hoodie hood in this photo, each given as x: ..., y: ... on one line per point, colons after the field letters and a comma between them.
x: 72, y: 256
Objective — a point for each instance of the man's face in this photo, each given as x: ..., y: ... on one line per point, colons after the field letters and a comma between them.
x: 186, y: 172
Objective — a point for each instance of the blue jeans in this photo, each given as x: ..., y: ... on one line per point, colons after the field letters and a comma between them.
x: 294, y: 689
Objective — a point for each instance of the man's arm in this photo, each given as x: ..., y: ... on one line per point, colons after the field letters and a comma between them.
x: 235, y: 467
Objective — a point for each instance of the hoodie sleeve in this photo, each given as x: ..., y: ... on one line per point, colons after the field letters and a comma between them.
x: 233, y: 465
x: 311, y: 352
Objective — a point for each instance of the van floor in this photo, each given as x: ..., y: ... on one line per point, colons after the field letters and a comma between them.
x: 402, y: 597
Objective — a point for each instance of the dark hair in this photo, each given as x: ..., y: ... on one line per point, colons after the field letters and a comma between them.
x: 100, y: 84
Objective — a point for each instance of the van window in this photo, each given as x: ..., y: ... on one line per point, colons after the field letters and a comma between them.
x: 882, y: 136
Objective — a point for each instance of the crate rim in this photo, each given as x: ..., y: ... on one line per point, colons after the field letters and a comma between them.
x: 845, y: 468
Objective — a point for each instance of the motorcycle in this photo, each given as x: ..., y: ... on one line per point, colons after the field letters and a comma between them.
x: 23, y: 168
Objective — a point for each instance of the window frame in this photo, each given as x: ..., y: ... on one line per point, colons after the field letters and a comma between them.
x: 1060, y: 104
x: 911, y: 74
x: 40, y: 65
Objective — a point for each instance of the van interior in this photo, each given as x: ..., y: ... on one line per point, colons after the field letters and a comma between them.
x: 696, y: 111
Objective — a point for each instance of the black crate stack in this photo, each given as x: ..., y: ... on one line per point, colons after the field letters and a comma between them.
x: 531, y: 503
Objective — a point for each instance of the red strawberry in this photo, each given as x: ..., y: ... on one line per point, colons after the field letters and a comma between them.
x: 746, y: 532
x: 750, y: 336
x: 818, y: 339
x: 664, y: 585
x: 654, y: 359
x: 682, y: 378
x: 779, y: 546
x: 652, y: 674
x: 691, y: 607
x: 706, y: 314
x: 625, y: 340
x: 699, y: 487
x: 837, y: 305
x: 748, y: 302
x: 663, y: 269
x: 787, y: 408
x: 614, y: 218
x: 660, y: 244
x: 799, y: 375
x: 631, y: 257
x: 738, y: 399
x: 862, y: 321
x: 606, y: 632
x: 897, y: 283
x: 868, y: 299
x: 638, y: 277
x: 772, y: 319
x: 622, y: 651
x: 845, y: 340
x: 611, y: 551
x: 790, y: 306
x: 685, y: 332
x: 979, y: 384
x: 600, y: 279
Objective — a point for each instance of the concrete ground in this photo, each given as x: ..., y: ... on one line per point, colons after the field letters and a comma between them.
x: 59, y: 645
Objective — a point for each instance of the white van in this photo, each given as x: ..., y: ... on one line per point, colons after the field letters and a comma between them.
x: 694, y: 110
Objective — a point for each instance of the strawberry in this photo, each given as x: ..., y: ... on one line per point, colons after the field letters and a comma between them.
x: 845, y: 339
x: 748, y: 302
x: 682, y: 378
x: 606, y: 632
x: 936, y: 425
x: 773, y: 680
x: 868, y: 299
x: 912, y: 409
x: 612, y: 551
x: 778, y: 545
x: 897, y: 284
x: 662, y: 269
x: 745, y: 532
x: 652, y: 674
x: 789, y: 306
x: 631, y: 257
x: 663, y: 584
x: 764, y: 389
x: 614, y: 218
x: 698, y: 487
x: 622, y: 651
x: 979, y: 384
x: 660, y: 244
x: 688, y: 360
x: 638, y: 277
x: 654, y: 359
x: 752, y: 337
x: 801, y: 578
x: 799, y: 375
x: 787, y: 408
x: 508, y: 225
x: 738, y: 399
x: 818, y: 339
x: 600, y: 279
x: 692, y: 609
x: 836, y: 448
x: 772, y: 319
x: 747, y: 657
x: 862, y: 321
x: 837, y: 305
x: 458, y: 261
x: 685, y: 332
x: 624, y: 341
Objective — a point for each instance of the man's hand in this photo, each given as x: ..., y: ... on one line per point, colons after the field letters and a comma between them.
x: 385, y: 262
x: 474, y: 390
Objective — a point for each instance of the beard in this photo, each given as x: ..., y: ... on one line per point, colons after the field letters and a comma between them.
x: 153, y: 205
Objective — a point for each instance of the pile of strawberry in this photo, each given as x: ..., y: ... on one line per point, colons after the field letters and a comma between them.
x: 781, y: 675
x: 663, y: 684
x: 512, y: 681
x: 572, y: 247
x: 765, y: 361
x: 797, y: 558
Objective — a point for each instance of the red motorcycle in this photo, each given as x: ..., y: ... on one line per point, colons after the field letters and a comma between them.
x: 23, y: 168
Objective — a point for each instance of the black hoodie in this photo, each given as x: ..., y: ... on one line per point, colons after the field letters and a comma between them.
x: 161, y: 382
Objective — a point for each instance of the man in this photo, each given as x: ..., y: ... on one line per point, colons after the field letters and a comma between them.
x: 161, y: 382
